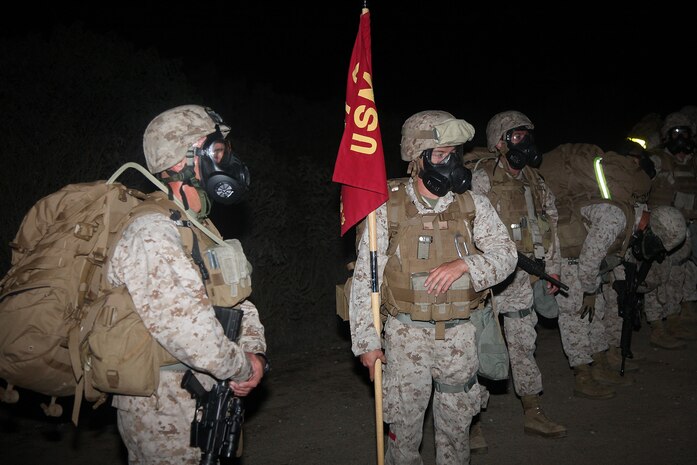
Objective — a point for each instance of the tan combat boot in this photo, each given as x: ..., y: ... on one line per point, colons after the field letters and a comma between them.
x: 603, y: 373
x: 536, y: 422
x: 614, y: 360
x: 477, y: 441
x: 660, y: 338
x: 586, y: 386
x: 676, y: 327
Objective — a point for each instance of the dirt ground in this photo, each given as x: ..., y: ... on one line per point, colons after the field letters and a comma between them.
x: 317, y: 408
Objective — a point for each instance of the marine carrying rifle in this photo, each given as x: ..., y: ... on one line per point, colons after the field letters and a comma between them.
x: 217, y: 425
x: 537, y: 268
x: 628, y: 304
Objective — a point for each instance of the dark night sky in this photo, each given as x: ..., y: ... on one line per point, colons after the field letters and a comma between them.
x: 580, y: 72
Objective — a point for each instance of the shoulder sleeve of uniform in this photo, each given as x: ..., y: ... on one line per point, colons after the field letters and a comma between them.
x: 499, y: 256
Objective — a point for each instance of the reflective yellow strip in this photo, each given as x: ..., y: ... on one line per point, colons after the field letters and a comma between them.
x: 600, y: 178
x: 641, y: 142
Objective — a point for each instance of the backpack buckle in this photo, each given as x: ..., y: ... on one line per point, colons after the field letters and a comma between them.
x: 84, y: 231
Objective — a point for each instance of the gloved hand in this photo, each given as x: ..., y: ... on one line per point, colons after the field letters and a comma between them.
x: 588, y: 306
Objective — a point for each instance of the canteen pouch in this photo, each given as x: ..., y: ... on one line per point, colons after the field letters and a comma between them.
x: 230, y: 274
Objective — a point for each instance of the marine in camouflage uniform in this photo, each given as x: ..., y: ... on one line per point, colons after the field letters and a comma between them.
x: 506, y: 175
x: 421, y: 353
x: 672, y: 305
x: 592, y: 227
x: 169, y: 295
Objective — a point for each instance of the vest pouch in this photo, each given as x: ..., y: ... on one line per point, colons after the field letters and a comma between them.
x: 439, y: 312
x: 461, y: 310
x: 230, y: 274
x: 118, y: 355
x: 572, y: 233
x: 545, y: 231
x: 526, y: 244
x: 420, y: 311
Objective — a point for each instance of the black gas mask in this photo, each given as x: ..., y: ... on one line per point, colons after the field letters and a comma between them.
x: 647, y: 246
x: 679, y: 140
x: 224, y: 176
x: 522, y: 150
x: 450, y: 175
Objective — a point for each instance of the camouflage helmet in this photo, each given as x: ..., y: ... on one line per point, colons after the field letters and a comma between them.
x: 170, y: 135
x: 430, y: 129
x: 675, y: 120
x: 669, y: 225
x: 502, y: 122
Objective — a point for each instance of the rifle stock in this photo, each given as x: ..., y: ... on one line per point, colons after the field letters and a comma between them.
x: 217, y: 425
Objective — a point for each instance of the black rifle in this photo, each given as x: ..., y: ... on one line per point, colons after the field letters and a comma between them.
x: 628, y: 304
x: 217, y: 425
x: 537, y: 268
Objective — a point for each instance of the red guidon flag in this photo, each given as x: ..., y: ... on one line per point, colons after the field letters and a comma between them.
x: 360, y: 164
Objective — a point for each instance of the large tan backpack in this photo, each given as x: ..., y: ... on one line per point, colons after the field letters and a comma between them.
x: 571, y: 173
x: 63, y: 329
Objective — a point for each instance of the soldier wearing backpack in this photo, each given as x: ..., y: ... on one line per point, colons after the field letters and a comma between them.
x: 439, y: 247
x: 506, y: 173
x: 152, y: 261
x: 600, y: 199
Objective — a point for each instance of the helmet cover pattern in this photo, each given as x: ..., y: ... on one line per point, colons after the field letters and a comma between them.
x: 669, y: 225
x: 430, y: 129
x: 173, y: 132
x: 502, y: 122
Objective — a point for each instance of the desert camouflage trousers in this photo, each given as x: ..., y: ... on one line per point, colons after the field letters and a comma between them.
x: 680, y: 284
x: 580, y: 338
x: 156, y: 431
x: 415, y: 359
x: 521, y: 337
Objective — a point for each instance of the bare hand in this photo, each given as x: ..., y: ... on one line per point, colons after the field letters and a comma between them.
x: 551, y: 288
x: 368, y: 360
x: 243, y: 388
x: 443, y: 276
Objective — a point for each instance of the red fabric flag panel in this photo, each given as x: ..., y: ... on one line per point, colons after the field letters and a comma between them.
x: 360, y: 163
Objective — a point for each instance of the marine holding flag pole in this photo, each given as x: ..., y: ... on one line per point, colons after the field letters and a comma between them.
x: 360, y: 168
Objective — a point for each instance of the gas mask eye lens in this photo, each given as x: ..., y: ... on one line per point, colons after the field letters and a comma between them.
x: 680, y: 131
x: 440, y: 158
x: 518, y: 136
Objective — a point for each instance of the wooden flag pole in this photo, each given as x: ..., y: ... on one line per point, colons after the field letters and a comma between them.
x: 375, y: 303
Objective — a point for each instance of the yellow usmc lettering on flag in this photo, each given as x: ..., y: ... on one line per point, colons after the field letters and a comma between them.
x: 365, y: 116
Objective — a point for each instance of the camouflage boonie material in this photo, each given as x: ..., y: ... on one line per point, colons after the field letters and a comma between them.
x: 168, y: 137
